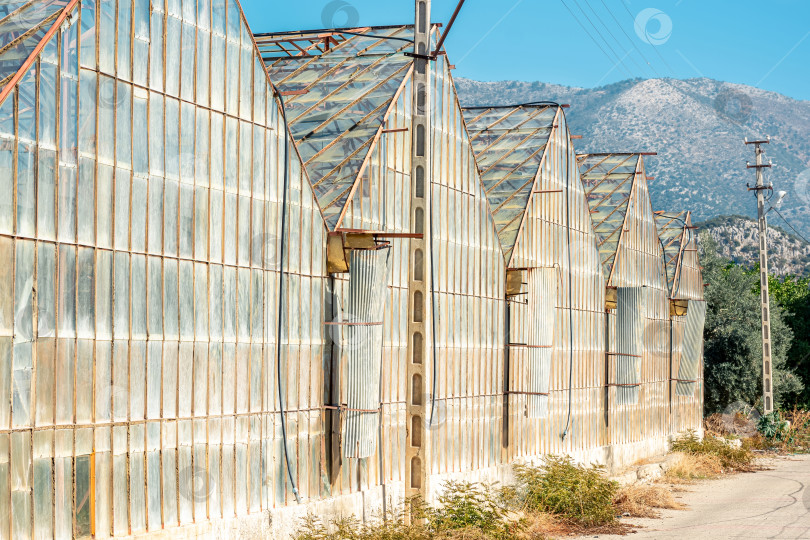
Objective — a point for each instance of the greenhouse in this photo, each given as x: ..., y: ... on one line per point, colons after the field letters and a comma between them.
x: 249, y: 276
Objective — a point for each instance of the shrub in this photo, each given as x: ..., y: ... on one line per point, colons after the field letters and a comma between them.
x: 473, y: 507
x: 773, y: 426
x: 731, y: 458
x: 582, y: 494
x: 466, y: 511
x: 351, y: 528
x: 785, y: 431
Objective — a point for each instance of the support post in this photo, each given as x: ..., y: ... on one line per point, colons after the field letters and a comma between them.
x: 767, y: 389
x: 419, y: 354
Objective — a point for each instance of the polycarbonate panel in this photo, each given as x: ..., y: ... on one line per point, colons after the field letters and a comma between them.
x: 678, y: 238
x: 361, y: 339
x: 688, y: 372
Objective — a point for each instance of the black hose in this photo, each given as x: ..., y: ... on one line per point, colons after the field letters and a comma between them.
x: 287, y: 136
x: 529, y: 104
x: 570, y: 297
x: 376, y: 36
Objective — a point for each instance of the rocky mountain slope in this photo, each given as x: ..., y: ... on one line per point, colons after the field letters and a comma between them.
x: 697, y: 127
x: 738, y: 239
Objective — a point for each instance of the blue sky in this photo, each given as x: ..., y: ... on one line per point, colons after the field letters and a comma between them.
x: 762, y: 44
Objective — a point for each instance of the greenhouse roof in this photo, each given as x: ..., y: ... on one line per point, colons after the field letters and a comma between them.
x: 337, y: 86
x: 24, y: 28
x: 608, y: 182
x: 673, y: 229
x: 509, y: 144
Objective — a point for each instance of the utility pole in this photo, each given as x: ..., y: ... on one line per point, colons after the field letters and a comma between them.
x: 767, y: 391
x: 417, y: 461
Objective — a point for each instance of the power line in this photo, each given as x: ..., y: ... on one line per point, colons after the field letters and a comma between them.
x: 791, y: 226
x: 618, y: 43
x: 591, y: 36
x: 632, y: 42
x: 653, y: 46
x: 621, y: 59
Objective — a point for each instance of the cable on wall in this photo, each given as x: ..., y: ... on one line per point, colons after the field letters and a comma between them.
x: 281, y: 298
x: 570, y: 295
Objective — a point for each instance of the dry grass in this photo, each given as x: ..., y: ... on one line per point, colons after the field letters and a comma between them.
x: 693, y: 467
x: 643, y: 500
x: 540, y: 526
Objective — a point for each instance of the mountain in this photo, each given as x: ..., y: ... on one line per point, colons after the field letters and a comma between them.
x: 738, y: 239
x: 697, y: 127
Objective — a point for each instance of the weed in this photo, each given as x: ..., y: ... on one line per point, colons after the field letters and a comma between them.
x: 731, y: 458
x: 466, y: 511
x: 773, y: 426
x: 393, y: 527
x: 785, y: 431
x: 581, y: 494
x: 468, y: 506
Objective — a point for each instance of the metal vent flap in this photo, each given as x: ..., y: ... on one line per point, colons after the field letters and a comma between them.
x: 361, y: 343
x: 692, y: 348
x: 629, y: 343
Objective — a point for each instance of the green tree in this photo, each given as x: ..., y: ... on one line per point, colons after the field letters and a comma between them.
x: 733, y: 342
x: 793, y: 293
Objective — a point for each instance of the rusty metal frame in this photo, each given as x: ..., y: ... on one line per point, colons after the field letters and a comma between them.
x: 12, y: 83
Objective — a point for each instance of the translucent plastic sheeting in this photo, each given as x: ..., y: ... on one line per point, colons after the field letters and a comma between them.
x: 509, y: 145
x: 336, y: 106
x: 608, y: 181
x: 362, y: 343
x: 22, y: 28
x: 542, y: 300
x: 672, y: 231
x: 692, y: 348
x: 629, y: 343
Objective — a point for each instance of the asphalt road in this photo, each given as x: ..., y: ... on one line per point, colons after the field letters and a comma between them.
x: 773, y: 503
